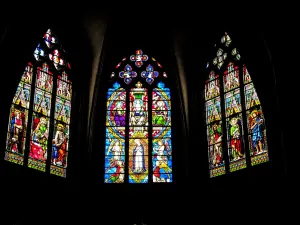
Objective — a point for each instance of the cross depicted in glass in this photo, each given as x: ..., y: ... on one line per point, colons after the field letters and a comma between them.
x: 57, y: 59
x: 219, y: 60
x: 138, y: 58
x: 49, y: 38
x: 127, y: 74
x: 38, y: 53
x: 236, y: 54
x: 149, y: 74
x: 226, y: 39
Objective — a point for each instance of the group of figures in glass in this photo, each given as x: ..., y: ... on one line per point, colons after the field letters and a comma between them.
x: 143, y: 117
x: 235, y: 109
x: 138, y: 144
x: 131, y: 117
x: 40, y: 77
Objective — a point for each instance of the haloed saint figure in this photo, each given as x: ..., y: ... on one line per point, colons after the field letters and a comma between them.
x: 119, y: 116
x: 15, y: 143
x: 59, y: 146
x: 162, y: 160
x: 138, y: 165
x: 115, y: 156
x: 39, y: 139
x: 235, y: 139
x: 138, y: 117
x: 159, y: 118
x: 257, y: 130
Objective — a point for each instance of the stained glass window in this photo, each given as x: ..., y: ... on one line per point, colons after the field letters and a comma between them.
x: 234, y: 117
x: 18, y: 119
x: 44, y: 84
x: 115, y: 135
x: 138, y: 104
x: 161, y: 134
x: 255, y: 122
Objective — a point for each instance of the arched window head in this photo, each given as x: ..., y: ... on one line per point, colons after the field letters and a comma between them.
x: 39, y: 120
x: 138, y: 147
x: 236, y: 131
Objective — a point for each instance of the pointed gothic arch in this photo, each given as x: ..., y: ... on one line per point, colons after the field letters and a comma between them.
x: 138, y: 146
x: 39, y: 119
x: 236, y: 131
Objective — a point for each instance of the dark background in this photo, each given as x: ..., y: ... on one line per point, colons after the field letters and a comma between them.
x: 96, y: 41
